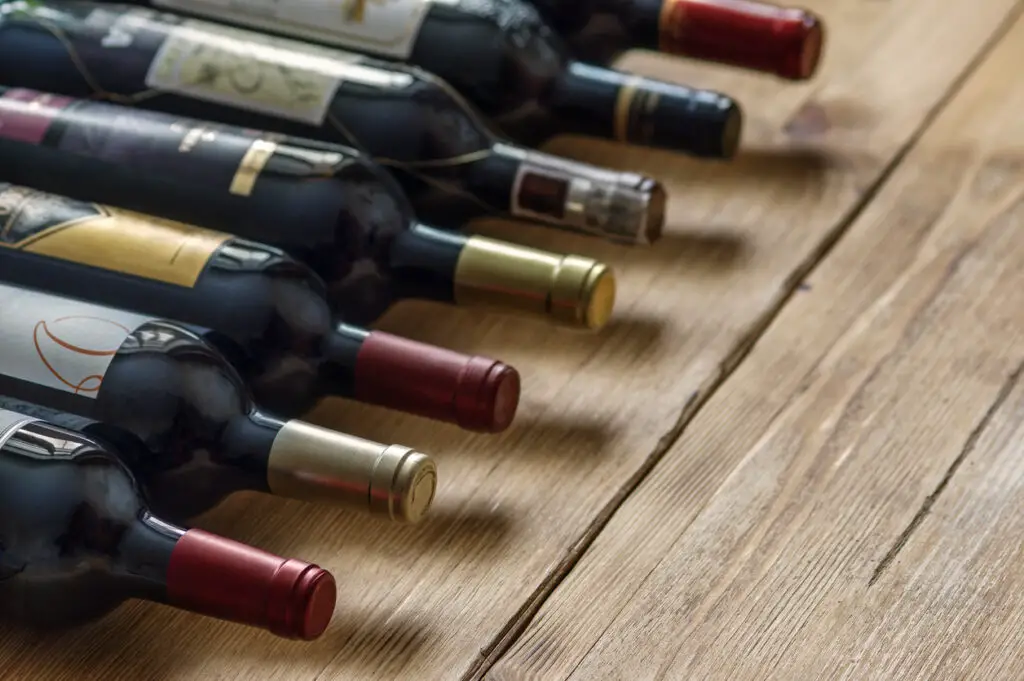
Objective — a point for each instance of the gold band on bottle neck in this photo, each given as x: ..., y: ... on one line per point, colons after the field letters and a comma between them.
x: 320, y: 465
x: 570, y: 289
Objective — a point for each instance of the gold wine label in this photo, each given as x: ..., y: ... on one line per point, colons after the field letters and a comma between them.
x: 106, y: 238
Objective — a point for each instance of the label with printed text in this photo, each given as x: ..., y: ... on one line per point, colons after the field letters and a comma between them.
x: 385, y: 27
x: 107, y: 238
x: 60, y: 343
x: 260, y: 73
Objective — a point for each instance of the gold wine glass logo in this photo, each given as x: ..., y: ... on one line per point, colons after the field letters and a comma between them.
x: 355, y: 10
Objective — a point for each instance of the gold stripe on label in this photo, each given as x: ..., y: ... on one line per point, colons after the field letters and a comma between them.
x: 131, y: 243
x: 623, y: 109
x: 253, y: 163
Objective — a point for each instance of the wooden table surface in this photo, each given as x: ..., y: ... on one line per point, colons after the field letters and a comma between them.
x: 797, y: 452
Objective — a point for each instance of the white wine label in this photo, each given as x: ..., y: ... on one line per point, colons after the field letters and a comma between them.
x: 260, y: 73
x: 10, y: 421
x: 60, y: 343
x: 385, y: 27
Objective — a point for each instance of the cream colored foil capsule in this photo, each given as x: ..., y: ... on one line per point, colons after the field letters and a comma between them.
x: 570, y: 289
x: 321, y: 465
x: 619, y: 206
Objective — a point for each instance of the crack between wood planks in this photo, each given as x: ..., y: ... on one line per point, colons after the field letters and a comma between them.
x: 522, y: 618
x: 965, y: 451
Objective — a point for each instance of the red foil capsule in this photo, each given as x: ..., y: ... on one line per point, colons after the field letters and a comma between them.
x: 477, y: 393
x: 753, y: 35
x: 232, y: 581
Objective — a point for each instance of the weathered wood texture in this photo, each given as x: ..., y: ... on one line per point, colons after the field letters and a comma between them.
x: 850, y: 502
x: 443, y: 600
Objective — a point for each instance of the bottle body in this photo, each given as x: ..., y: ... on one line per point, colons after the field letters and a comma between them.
x: 181, y: 413
x: 261, y: 309
x: 287, y: 193
x: 521, y: 75
x: 447, y: 159
x: 166, y: 396
x: 77, y: 540
x: 59, y: 565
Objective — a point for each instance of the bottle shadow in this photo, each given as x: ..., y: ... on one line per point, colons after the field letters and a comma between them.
x: 455, y: 527
x: 781, y: 169
x: 142, y: 640
x: 534, y: 435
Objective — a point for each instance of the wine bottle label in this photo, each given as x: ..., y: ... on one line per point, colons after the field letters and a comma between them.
x: 108, y: 238
x: 579, y: 196
x: 226, y: 157
x: 261, y: 73
x: 26, y: 115
x: 385, y: 27
x: 10, y: 422
x: 60, y: 343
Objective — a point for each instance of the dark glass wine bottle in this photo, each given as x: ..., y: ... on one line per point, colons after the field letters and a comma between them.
x: 507, y: 61
x: 182, y: 414
x: 451, y: 164
x: 77, y: 539
x: 321, y: 204
x: 264, y: 311
x: 784, y: 41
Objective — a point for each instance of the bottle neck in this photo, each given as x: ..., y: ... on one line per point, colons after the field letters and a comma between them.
x: 476, y: 393
x: 221, y: 578
x: 498, y: 275
x: 144, y: 555
x: 423, y: 263
x: 245, y: 445
x: 321, y: 465
x: 646, y: 112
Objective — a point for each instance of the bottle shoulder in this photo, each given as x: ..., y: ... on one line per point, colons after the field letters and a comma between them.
x: 515, y: 53
x: 65, y: 502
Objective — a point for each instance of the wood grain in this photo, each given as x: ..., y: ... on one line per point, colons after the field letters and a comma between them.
x: 848, y: 505
x: 442, y: 600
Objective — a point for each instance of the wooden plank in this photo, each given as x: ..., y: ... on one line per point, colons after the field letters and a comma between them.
x: 815, y: 520
x: 439, y: 600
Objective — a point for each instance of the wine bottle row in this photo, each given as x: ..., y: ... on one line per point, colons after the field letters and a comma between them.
x: 206, y: 205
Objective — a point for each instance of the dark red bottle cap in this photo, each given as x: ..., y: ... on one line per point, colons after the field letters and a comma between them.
x: 232, y: 581
x: 474, y: 392
x: 754, y: 35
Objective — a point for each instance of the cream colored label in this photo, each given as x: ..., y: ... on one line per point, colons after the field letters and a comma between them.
x: 10, y: 422
x: 385, y: 27
x: 249, y: 70
x: 105, y: 238
x: 60, y: 343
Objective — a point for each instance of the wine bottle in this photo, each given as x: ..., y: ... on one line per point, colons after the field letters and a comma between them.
x: 322, y: 205
x: 451, y: 164
x: 77, y: 539
x: 265, y: 312
x: 173, y: 404
x: 506, y: 60
x: 784, y: 41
